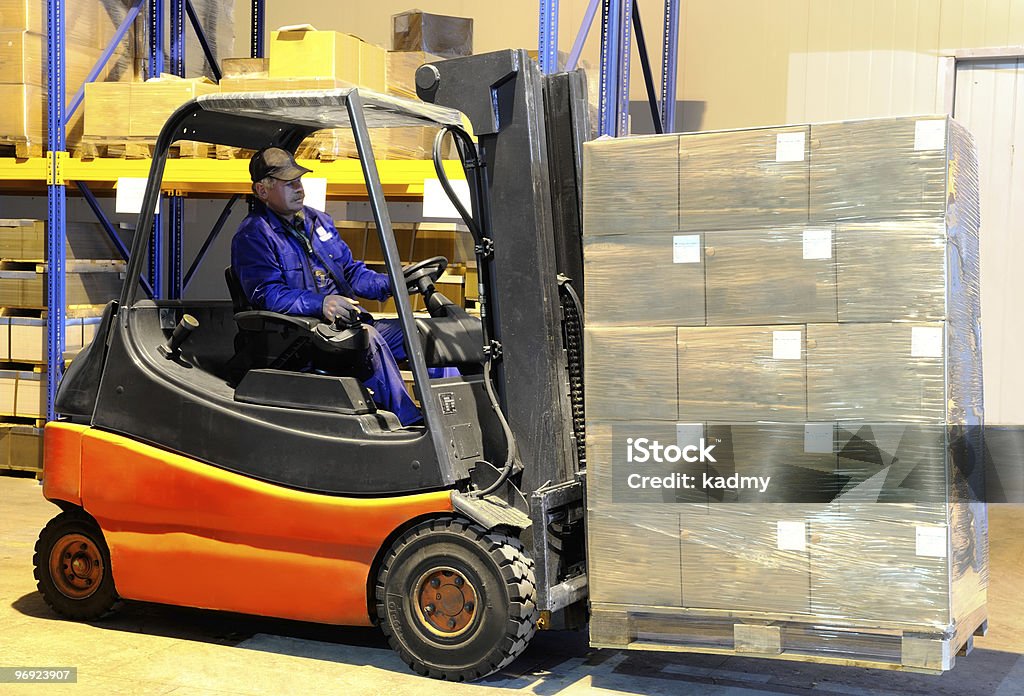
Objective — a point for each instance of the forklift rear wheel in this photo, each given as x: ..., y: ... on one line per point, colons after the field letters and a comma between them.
x: 456, y: 601
x: 72, y: 567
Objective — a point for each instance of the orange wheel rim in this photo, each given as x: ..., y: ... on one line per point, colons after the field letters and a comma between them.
x: 446, y: 602
x: 76, y: 566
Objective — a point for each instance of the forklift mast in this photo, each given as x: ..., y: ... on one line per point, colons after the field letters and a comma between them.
x: 530, y: 129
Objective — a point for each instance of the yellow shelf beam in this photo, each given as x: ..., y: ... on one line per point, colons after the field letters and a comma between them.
x: 400, y: 178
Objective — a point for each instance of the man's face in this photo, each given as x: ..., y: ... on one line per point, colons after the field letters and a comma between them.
x: 284, y: 197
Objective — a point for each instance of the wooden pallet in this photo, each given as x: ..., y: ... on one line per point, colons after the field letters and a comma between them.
x: 224, y: 152
x: 30, y: 421
x: 826, y: 640
x: 20, y: 148
x: 70, y: 312
x: 70, y: 265
x: 135, y: 148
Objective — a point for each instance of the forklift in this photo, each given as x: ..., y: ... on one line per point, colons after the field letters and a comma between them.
x: 197, y: 464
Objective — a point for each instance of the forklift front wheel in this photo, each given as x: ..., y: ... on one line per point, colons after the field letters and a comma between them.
x: 456, y: 601
x: 72, y: 567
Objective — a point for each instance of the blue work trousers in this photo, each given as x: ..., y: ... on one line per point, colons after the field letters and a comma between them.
x: 386, y: 348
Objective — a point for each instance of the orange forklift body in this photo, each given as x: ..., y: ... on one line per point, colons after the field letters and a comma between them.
x: 186, y: 533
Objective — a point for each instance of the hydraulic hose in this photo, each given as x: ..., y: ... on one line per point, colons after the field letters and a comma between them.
x: 478, y: 196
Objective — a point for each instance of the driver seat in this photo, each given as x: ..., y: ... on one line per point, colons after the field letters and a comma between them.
x: 271, y: 340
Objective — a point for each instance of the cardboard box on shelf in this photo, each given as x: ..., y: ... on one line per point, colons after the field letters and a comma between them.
x: 262, y: 84
x: 331, y: 54
x: 245, y: 68
x: 23, y: 60
x: 22, y: 113
x: 25, y: 240
x: 27, y: 289
x: 21, y: 448
x: 22, y: 394
x: 107, y: 109
x: 91, y: 23
x: 443, y: 35
x: 152, y: 102
x: 400, y: 72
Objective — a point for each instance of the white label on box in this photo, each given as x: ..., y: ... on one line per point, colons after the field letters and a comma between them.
x: 792, y: 536
x: 436, y: 203
x: 926, y: 342
x: 689, y: 434
x: 931, y: 541
x: 786, y: 345
x: 817, y: 244
x: 789, y: 147
x: 686, y: 248
x: 129, y: 193
x: 316, y: 192
x: 818, y: 438
x: 930, y: 135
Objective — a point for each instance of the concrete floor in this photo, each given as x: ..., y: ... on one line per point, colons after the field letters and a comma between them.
x: 153, y: 649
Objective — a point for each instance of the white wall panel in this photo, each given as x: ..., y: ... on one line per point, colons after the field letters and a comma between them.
x: 990, y: 101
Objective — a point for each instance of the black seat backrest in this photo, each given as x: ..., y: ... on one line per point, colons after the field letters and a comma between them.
x: 238, y: 298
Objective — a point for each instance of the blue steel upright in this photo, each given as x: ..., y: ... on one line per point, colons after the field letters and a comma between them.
x: 669, y: 65
x: 56, y: 196
x: 547, y: 37
x: 259, y: 15
x: 156, y: 66
x: 176, y: 204
x: 613, y: 112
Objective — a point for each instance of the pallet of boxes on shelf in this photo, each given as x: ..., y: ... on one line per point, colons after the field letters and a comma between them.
x: 306, y: 59
x: 23, y: 65
x: 418, y: 241
x: 797, y: 311
x: 92, y: 279
x: 123, y: 119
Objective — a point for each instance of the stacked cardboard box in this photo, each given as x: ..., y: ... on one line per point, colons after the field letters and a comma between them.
x: 125, y: 110
x: 806, y: 300
x: 23, y: 69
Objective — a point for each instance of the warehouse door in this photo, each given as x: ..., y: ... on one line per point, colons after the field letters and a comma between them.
x: 989, y: 100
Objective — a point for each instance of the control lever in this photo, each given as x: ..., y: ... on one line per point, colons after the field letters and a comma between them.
x: 172, y: 349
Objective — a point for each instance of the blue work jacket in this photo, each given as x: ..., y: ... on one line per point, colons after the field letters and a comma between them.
x: 276, y: 272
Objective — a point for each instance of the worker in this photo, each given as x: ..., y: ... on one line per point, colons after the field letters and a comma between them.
x: 289, y: 258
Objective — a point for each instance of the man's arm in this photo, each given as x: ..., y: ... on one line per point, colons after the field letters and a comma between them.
x: 263, y: 279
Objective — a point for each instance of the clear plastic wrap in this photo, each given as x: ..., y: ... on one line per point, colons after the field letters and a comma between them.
x: 23, y: 63
x: 828, y: 375
x: 400, y: 72
x: 449, y: 37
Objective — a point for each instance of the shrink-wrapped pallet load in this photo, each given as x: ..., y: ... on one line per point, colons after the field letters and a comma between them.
x: 798, y: 346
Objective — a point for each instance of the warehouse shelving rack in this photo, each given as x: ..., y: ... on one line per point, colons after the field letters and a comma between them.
x: 619, y: 18
x: 402, y: 180
x: 57, y: 170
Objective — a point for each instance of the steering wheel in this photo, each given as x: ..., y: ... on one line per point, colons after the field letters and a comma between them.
x: 422, y: 274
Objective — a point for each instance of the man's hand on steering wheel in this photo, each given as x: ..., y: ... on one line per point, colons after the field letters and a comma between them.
x: 340, y: 308
x: 422, y: 274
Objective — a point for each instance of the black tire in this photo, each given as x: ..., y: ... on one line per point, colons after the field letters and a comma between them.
x: 72, y: 567
x: 480, y: 624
